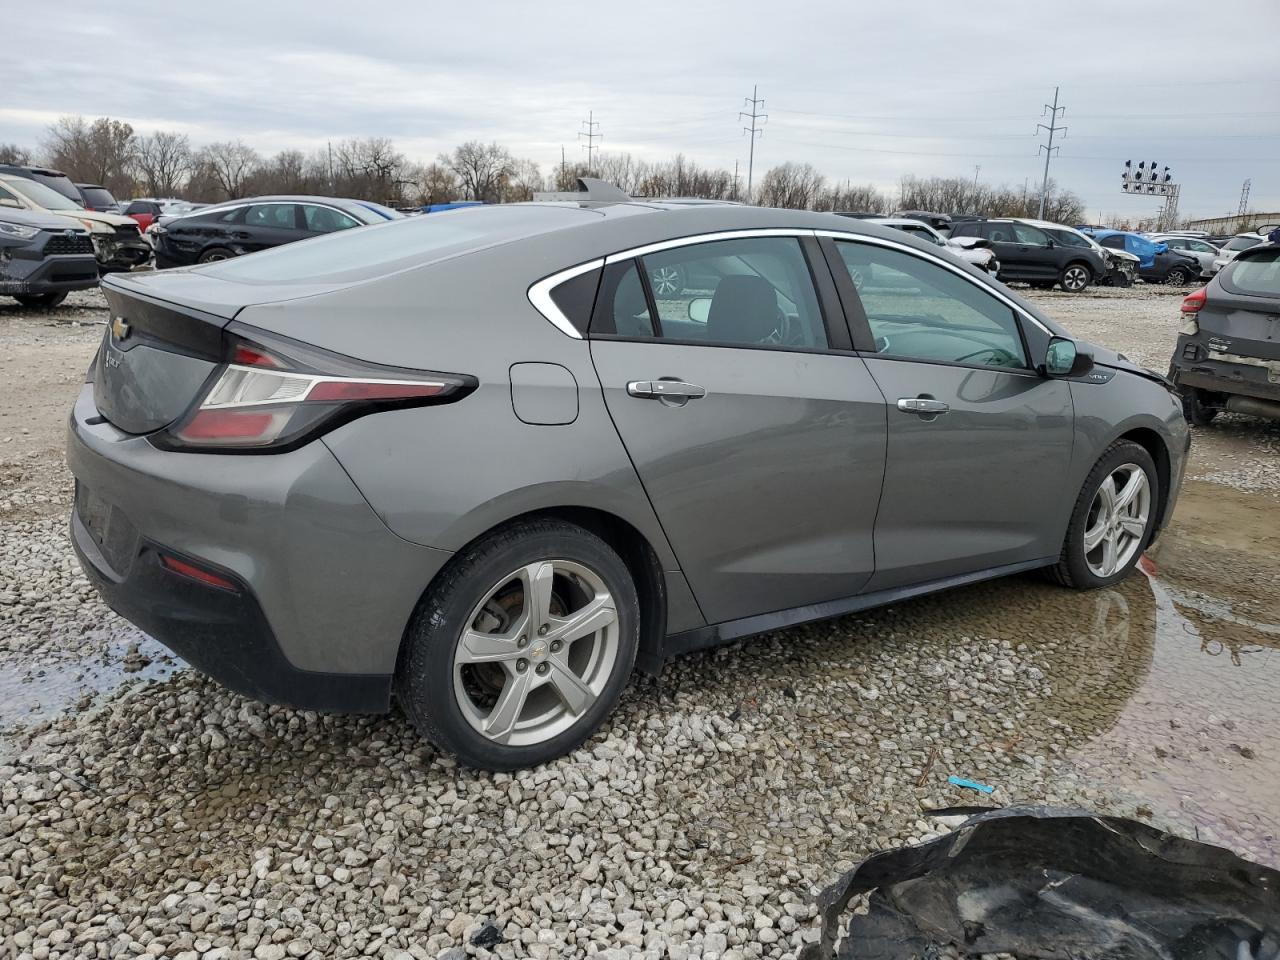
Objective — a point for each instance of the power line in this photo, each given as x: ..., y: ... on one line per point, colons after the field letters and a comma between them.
x: 754, y: 115
x: 1053, y: 128
x: 590, y: 124
x: 956, y: 118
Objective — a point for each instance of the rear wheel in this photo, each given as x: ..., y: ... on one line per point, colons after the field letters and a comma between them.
x: 1113, y: 519
x: 214, y: 254
x: 522, y: 647
x: 1178, y: 277
x: 1197, y: 411
x: 41, y: 301
x: 1075, y: 277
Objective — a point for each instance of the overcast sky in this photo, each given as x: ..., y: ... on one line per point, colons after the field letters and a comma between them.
x: 866, y: 91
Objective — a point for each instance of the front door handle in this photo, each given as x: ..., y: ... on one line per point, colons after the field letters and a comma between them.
x: 661, y: 389
x: 923, y: 406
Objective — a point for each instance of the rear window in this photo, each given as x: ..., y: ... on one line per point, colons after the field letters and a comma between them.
x: 1258, y: 274
x: 1241, y: 243
x: 99, y: 196
x: 382, y: 249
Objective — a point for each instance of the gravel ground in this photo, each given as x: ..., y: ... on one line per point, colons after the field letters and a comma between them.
x: 145, y: 811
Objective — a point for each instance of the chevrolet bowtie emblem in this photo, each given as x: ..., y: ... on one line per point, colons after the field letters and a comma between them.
x: 120, y: 328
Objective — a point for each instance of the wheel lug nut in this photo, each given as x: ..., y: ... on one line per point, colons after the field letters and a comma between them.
x: 542, y: 668
x: 522, y: 642
x: 556, y: 645
x: 542, y: 630
x: 522, y: 665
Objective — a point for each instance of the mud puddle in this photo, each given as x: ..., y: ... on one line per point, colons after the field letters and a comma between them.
x: 31, y: 692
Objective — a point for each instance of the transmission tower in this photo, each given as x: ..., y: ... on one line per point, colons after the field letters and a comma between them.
x: 590, y: 126
x: 1052, y: 112
x: 1244, y: 198
x: 758, y: 120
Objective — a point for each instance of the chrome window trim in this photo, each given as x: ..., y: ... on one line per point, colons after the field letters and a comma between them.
x: 706, y: 238
x: 877, y: 241
x: 540, y: 296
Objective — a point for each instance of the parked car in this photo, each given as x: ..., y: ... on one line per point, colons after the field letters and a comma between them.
x: 53, y: 179
x: 976, y: 251
x: 117, y: 242
x: 534, y: 477
x: 1233, y: 247
x: 94, y: 196
x: 1198, y: 249
x: 1029, y: 254
x: 43, y: 257
x: 1156, y: 262
x: 146, y: 210
x: 233, y: 229
x: 1122, y: 267
x: 1228, y: 356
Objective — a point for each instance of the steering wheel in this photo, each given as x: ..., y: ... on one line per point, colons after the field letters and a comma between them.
x: 999, y: 355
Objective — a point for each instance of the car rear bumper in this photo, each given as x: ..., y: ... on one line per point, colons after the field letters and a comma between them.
x: 323, y: 590
x: 48, y: 275
x: 1195, y: 366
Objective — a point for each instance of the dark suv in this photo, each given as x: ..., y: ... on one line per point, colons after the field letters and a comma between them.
x: 1028, y: 254
x: 43, y: 257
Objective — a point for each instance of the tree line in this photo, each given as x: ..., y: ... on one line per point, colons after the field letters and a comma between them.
x: 166, y: 164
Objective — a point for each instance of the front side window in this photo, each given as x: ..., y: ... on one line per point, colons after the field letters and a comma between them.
x: 1068, y: 239
x: 755, y: 291
x: 1030, y: 235
x: 1000, y: 232
x: 965, y: 230
x: 919, y: 310
x: 1199, y: 246
x: 279, y: 215
x: 326, y: 219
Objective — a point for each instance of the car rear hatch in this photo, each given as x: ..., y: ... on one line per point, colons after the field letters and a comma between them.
x: 1240, y: 317
x: 165, y: 339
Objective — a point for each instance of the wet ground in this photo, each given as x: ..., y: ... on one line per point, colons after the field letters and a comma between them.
x: 742, y: 779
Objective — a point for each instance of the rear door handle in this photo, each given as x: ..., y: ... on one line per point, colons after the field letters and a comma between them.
x: 924, y: 406
x: 658, y: 389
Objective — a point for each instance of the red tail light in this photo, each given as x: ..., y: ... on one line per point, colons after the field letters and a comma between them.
x: 192, y: 572
x: 1194, y: 302
x: 275, y: 395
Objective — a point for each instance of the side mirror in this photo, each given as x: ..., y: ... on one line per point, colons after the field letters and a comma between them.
x: 699, y: 309
x: 1065, y: 359
x: 1051, y: 243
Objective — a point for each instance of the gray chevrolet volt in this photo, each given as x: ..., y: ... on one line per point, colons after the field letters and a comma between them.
x: 483, y: 461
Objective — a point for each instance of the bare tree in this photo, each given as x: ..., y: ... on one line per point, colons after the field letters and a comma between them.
x: 482, y: 170
x: 794, y: 185
x: 524, y: 180
x: 162, y: 162
x: 98, y: 152
x: 12, y: 153
x: 230, y: 163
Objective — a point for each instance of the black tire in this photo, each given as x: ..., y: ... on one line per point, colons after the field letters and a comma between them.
x: 41, y: 301
x: 1197, y: 412
x: 1075, y: 278
x: 214, y: 254
x: 1072, y: 569
x: 425, y: 673
x: 1178, y: 277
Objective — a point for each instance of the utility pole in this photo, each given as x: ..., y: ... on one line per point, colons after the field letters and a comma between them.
x: 735, y: 180
x: 1053, y: 128
x: 977, y: 168
x: 1244, y: 197
x: 757, y: 122
x: 589, y: 132
x: 563, y: 183
x: 332, y: 187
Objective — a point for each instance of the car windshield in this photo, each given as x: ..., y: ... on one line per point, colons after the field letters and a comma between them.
x: 99, y: 196
x: 41, y: 195
x: 1241, y: 243
x: 1258, y: 273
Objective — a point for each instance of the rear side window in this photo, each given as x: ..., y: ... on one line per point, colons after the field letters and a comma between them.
x: 749, y: 292
x: 575, y: 297
x: 621, y: 306
x: 1030, y: 235
x: 280, y: 215
x: 918, y: 310
x: 1258, y: 275
x: 1000, y: 232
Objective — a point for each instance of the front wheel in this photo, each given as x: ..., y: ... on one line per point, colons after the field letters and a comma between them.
x: 41, y: 301
x: 522, y: 647
x: 215, y: 254
x: 1113, y: 519
x: 1075, y: 277
x: 1178, y: 277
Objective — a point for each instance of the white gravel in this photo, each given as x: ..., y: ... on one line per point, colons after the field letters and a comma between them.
x: 145, y: 815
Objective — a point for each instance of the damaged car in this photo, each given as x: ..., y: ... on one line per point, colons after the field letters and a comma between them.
x: 472, y: 461
x: 1228, y: 353
x: 43, y: 258
x: 1122, y: 266
x: 973, y: 250
x: 118, y: 244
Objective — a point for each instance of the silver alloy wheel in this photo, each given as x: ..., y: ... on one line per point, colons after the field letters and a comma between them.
x: 536, y: 652
x: 1075, y: 278
x: 214, y: 257
x: 666, y: 281
x: 1117, y: 520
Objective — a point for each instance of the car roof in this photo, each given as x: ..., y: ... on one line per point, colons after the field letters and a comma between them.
x: 899, y: 222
